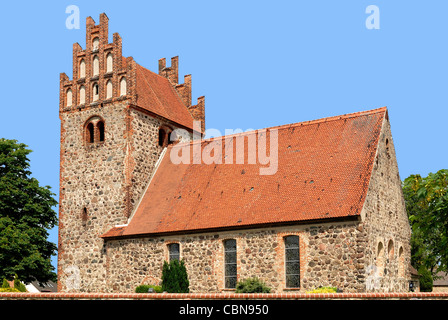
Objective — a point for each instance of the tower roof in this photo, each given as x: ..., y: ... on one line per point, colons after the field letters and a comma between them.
x: 156, y: 94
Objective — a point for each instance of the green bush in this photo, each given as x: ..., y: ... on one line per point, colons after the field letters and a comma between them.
x: 324, y: 290
x: 9, y: 290
x: 19, y: 285
x: 145, y: 287
x: 5, y: 284
x: 252, y: 285
x: 175, y: 277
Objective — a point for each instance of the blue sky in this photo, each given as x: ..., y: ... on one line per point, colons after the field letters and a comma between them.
x: 258, y: 63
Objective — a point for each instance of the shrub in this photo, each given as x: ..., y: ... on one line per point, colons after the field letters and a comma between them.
x: 9, y: 290
x: 19, y: 285
x: 175, y: 277
x: 324, y: 290
x: 252, y: 285
x: 144, y: 288
x: 5, y: 284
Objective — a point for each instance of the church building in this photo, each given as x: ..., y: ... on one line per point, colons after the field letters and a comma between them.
x: 140, y: 186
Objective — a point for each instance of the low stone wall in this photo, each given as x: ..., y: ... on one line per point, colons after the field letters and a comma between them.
x: 225, y: 296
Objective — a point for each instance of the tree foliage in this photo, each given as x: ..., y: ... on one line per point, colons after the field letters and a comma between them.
x: 427, y: 207
x: 26, y: 214
x: 175, y: 277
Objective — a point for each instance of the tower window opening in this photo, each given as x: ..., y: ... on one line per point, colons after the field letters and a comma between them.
x: 90, y: 133
x: 162, y: 136
x: 96, y: 92
x: 84, y: 214
x: 100, y: 126
x: 95, y: 130
x: 109, y: 89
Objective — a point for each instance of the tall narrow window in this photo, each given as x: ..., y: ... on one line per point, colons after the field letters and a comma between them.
x: 401, y: 262
x: 174, y: 251
x: 109, y: 89
x: 90, y: 133
x: 96, y: 92
x: 69, y: 98
x: 390, y: 250
x: 109, y: 63
x: 230, y: 263
x: 82, y: 95
x: 292, y: 262
x: 380, y: 259
x: 123, y: 86
x: 96, y: 66
x: 82, y: 69
x: 162, y: 137
x: 100, y: 126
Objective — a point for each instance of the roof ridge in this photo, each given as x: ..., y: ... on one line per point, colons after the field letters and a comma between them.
x: 291, y: 125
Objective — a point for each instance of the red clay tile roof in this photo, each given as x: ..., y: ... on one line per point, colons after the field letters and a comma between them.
x: 156, y: 94
x: 324, y: 169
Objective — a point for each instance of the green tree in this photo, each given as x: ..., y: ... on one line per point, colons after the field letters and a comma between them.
x: 175, y: 277
x: 26, y: 214
x: 427, y: 207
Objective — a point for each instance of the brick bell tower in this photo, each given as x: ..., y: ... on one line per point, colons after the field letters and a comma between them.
x: 115, y: 116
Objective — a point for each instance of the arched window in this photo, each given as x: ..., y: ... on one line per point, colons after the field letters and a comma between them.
x: 380, y: 259
x: 94, y: 130
x: 109, y: 90
x: 69, y: 98
x: 84, y: 215
x: 96, y: 92
x: 109, y: 63
x: 174, y: 251
x: 123, y: 86
x: 390, y: 250
x: 100, y: 126
x: 95, y: 44
x: 90, y: 133
x: 230, y: 264
x: 401, y: 270
x: 292, y: 262
x: 165, y: 136
x: 82, y: 95
x: 82, y: 69
x: 96, y: 66
x: 162, y: 137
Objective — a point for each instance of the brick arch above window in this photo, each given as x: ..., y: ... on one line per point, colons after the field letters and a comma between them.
x: 94, y: 130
